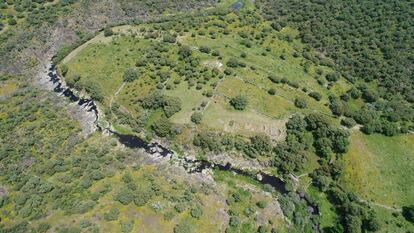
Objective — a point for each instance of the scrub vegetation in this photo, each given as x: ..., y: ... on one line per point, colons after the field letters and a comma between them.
x: 305, y: 108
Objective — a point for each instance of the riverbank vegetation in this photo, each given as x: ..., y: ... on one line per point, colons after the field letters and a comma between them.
x: 53, y: 180
x: 261, y: 92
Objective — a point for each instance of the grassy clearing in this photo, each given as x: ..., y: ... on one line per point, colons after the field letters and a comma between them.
x: 191, y: 100
x: 392, y: 221
x: 103, y: 61
x: 220, y: 116
x: 380, y: 168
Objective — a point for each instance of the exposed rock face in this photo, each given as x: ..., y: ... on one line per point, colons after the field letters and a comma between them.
x: 28, y: 45
x: 3, y: 191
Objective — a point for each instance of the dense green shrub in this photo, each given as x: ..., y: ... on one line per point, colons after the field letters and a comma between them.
x: 408, y: 213
x: 348, y: 122
x: 316, y: 95
x: 300, y: 102
x: 169, y: 38
x: 111, y: 215
x: 130, y: 75
x: 274, y: 78
x: 196, y: 117
x: 272, y: 91
x: 183, y: 227
x: 204, y: 49
x: 239, y: 102
x: 162, y: 127
x: 108, y: 32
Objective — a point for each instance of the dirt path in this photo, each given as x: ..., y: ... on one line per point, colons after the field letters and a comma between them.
x: 381, y: 205
x: 100, y: 38
x: 114, y: 97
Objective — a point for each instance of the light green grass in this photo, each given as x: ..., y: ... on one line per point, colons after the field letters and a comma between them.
x: 190, y: 99
x: 380, y: 168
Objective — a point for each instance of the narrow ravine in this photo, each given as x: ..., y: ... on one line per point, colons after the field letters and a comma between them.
x: 154, y: 148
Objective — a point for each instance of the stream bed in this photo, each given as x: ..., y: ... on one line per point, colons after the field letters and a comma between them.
x: 157, y: 150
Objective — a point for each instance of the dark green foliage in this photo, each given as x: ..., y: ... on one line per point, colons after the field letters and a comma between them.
x: 316, y: 95
x: 155, y: 100
x: 272, y: 91
x: 261, y: 143
x: 41, y: 228
x: 326, y: 29
x: 234, y: 221
x: 196, y: 212
x: 233, y: 62
x: 130, y: 75
x: 300, y: 102
x: 204, y: 49
x: 196, y: 117
x: 143, y: 196
x: 215, y: 53
x: 336, y: 105
x: 371, y: 223
x: 207, y: 141
x: 108, y: 32
x: 162, y: 127
x: 408, y: 213
x: 124, y: 195
x: 12, y: 22
x: 348, y: 122
x: 383, y: 77
x: 127, y: 226
x: 261, y: 204
x: 239, y: 102
x: 94, y: 90
x: 111, y: 215
x: 184, y: 51
x: 171, y: 106
x: 169, y: 38
x: 274, y: 78
x: 18, y: 228
x: 333, y: 77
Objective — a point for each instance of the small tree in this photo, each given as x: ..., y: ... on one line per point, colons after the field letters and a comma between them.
x: 108, y: 32
x: 111, y: 215
x: 300, y: 102
x: 261, y: 204
x: 130, y: 75
x: 196, y: 117
x: 205, y: 49
x: 316, y: 95
x: 239, y: 102
x: 408, y: 213
x: 169, y: 38
x: 184, y: 51
x: 183, y: 227
x: 162, y: 127
x: 272, y: 91
x: 348, y: 122
x: 233, y: 62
